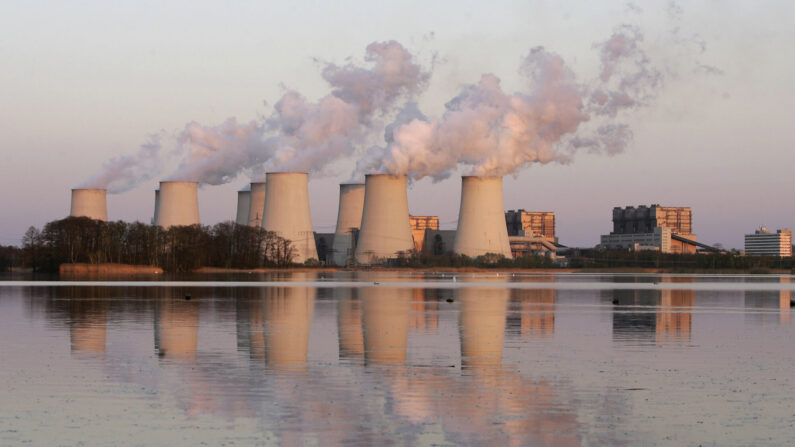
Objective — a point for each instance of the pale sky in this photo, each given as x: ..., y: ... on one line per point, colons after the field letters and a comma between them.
x: 82, y: 82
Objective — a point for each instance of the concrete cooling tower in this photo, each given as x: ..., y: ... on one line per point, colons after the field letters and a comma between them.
x: 89, y: 203
x: 179, y: 204
x: 481, y: 218
x: 257, y: 208
x: 349, y: 217
x: 287, y: 212
x: 385, y: 229
x: 243, y: 206
x: 157, y: 207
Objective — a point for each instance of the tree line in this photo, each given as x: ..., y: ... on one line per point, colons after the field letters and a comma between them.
x: 175, y: 249
x: 675, y: 261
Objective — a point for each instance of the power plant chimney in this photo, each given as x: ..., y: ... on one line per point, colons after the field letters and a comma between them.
x: 481, y: 219
x: 243, y: 206
x: 385, y: 229
x: 349, y: 217
x: 287, y: 212
x: 178, y: 205
x: 89, y: 203
x: 157, y: 207
x: 257, y: 208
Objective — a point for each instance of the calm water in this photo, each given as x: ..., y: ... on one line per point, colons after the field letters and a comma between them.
x: 396, y: 359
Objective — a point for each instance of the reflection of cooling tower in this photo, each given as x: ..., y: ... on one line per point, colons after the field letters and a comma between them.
x: 257, y: 208
x: 288, y: 318
x: 89, y: 203
x: 179, y: 204
x: 243, y: 207
x: 349, y: 217
x: 386, y: 324
x: 157, y: 207
x: 177, y: 328
x: 385, y: 229
x: 349, y: 324
x: 481, y: 218
x: 482, y: 325
x: 287, y: 212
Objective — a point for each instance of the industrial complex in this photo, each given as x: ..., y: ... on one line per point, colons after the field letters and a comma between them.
x: 374, y: 224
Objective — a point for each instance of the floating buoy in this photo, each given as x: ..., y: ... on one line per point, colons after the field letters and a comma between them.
x: 449, y: 300
x: 615, y: 301
x: 187, y: 296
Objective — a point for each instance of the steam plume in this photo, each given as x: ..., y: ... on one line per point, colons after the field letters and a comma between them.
x: 302, y: 135
x: 496, y: 133
x: 120, y: 174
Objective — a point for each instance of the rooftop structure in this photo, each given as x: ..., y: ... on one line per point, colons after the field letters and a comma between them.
x: 531, y: 223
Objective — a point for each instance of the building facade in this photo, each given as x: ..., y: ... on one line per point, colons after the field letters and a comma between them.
x: 668, y: 229
x: 418, y: 226
x: 531, y: 223
x: 763, y: 242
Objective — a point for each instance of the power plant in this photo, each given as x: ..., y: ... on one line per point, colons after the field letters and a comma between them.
x: 349, y: 218
x: 243, y: 206
x: 481, y: 218
x: 385, y: 231
x: 257, y: 207
x: 178, y: 205
x: 89, y: 203
x: 287, y: 214
x: 156, y: 214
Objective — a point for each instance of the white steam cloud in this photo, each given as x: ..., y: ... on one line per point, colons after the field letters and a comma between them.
x: 121, y: 174
x: 302, y: 135
x: 495, y: 133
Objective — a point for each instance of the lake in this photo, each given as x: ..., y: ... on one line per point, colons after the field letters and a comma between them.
x: 399, y: 358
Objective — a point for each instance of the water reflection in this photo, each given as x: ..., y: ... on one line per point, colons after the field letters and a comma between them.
x: 761, y: 303
x: 659, y: 316
x: 391, y: 365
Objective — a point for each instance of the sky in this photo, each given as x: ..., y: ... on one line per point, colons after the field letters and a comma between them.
x: 83, y: 82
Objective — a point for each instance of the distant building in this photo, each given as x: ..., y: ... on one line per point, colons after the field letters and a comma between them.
x: 531, y: 245
x: 765, y: 243
x: 531, y: 223
x: 324, y: 244
x: 664, y: 228
x: 418, y: 226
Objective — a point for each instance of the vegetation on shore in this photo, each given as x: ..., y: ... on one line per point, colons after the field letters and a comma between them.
x: 226, y: 245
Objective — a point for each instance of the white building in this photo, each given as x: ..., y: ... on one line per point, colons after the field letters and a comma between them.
x: 659, y: 239
x: 765, y: 243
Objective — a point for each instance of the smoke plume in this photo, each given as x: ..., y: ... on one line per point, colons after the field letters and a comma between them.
x: 301, y: 135
x: 495, y: 133
x: 120, y: 174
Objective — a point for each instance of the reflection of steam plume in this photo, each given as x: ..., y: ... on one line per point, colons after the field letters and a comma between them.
x: 302, y: 135
x: 496, y: 133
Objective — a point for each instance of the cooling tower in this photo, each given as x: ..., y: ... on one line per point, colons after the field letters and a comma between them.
x: 287, y: 212
x: 481, y: 218
x: 178, y: 205
x: 349, y: 217
x: 257, y: 208
x: 89, y: 203
x: 385, y: 229
x: 157, y: 207
x: 243, y: 206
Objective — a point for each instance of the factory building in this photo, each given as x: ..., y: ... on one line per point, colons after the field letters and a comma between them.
x: 531, y: 223
x: 655, y: 227
x: 418, y: 226
x: 766, y: 243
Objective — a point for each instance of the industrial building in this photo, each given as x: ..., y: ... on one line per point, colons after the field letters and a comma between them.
x: 763, y: 242
x: 286, y: 212
x: 349, y: 219
x: 481, y: 218
x: 419, y: 224
x: 655, y: 227
x: 531, y: 223
x: 385, y: 230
